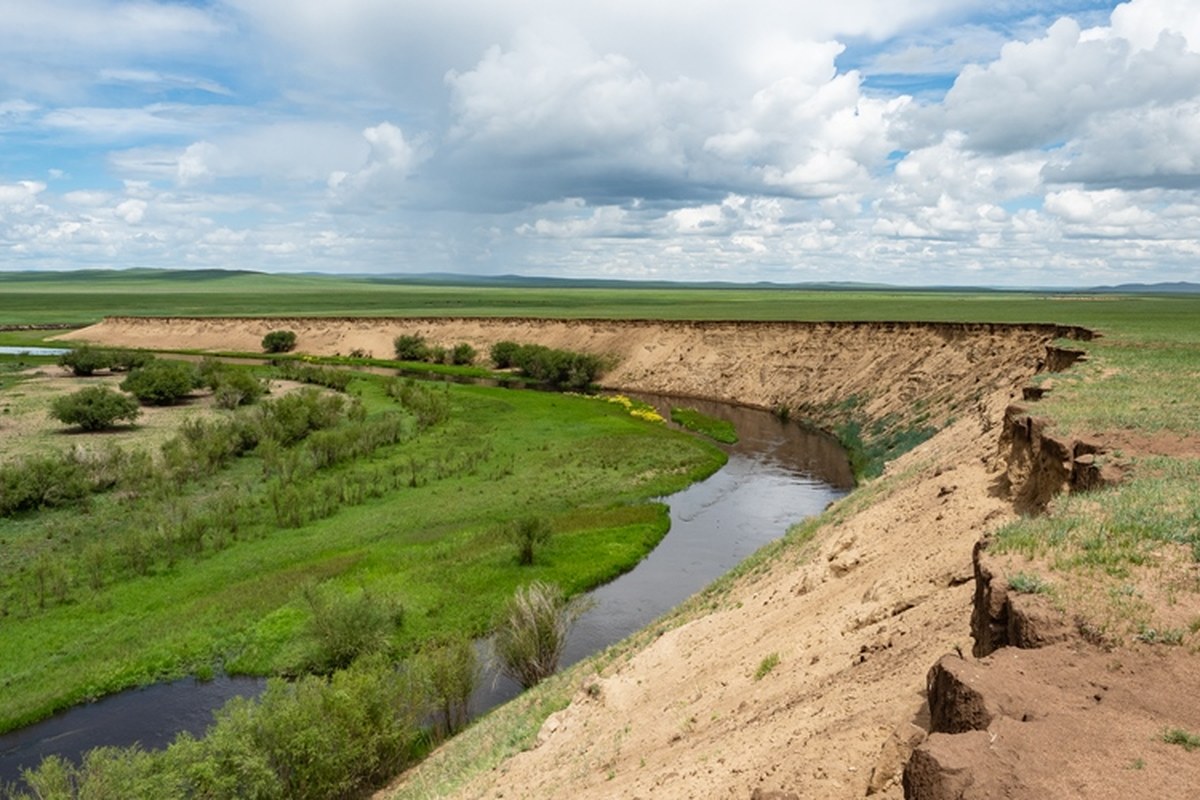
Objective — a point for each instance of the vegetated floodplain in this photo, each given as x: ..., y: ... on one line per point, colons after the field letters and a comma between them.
x: 208, y: 570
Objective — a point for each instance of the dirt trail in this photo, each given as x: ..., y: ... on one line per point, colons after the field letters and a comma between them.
x: 882, y: 593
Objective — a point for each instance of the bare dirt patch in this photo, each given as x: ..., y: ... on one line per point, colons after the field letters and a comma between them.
x: 26, y: 427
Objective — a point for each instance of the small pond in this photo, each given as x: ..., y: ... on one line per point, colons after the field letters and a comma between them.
x: 22, y: 350
x: 777, y: 475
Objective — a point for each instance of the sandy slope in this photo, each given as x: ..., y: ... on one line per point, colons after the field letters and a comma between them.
x: 856, y: 626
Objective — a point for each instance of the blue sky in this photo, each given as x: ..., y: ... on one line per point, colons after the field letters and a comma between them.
x: 998, y: 143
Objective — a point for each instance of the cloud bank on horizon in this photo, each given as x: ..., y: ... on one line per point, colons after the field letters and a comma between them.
x: 967, y: 142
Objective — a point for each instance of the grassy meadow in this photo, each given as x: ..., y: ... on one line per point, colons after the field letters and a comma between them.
x: 86, y: 297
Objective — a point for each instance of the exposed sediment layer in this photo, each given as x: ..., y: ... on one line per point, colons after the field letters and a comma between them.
x: 892, y: 370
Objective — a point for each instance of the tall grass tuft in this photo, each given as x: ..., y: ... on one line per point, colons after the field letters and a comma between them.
x: 532, y: 632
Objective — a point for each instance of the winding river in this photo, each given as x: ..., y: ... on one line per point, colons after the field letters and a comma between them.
x: 777, y: 475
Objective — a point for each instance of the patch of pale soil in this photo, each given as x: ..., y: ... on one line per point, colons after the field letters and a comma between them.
x: 855, y: 626
x: 26, y: 427
x: 1160, y: 443
x: 1069, y: 721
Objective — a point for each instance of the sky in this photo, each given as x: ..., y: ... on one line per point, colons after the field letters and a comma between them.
x: 949, y: 142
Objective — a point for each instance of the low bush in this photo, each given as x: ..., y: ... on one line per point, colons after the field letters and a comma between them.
x: 452, y: 672
x: 504, y: 354
x: 527, y: 533
x: 558, y: 368
x: 128, y: 360
x: 95, y: 408
x: 462, y: 354
x: 232, y: 386
x: 336, y: 379
x: 430, y: 406
x: 310, y: 739
x: 279, y: 342
x: 162, y: 382
x: 292, y: 417
x: 343, y: 627
x: 86, y: 360
x: 42, y: 482
x: 410, y: 347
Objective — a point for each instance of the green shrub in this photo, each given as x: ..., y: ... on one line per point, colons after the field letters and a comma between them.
x: 162, y: 382
x: 503, y: 354
x: 106, y: 773
x: 86, y: 360
x: 532, y: 632
x: 343, y: 627
x: 462, y: 354
x: 294, y: 416
x: 310, y: 739
x: 527, y: 533
x: 94, y: 408
x: 231, y: 386
x: 1188, y: 741
x: 452, y: 672
x: 430, y: 406
x: 765, y: 666
x: 411, y: 347
x: 558, y: 368
x: 127, y: 360
x: 279, y: 342
x: 1028, y: 583
x: 336, y: 379
x: 41, y: 482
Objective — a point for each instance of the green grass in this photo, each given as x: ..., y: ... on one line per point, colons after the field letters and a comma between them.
x: 1117, y: 529
x: 1188, y: 741
x: 719, y: 430
x: 86, y: 297
x: 765, y: 666
x: 1028, y: 583
x: 1143, y: 385
x: 437, y: 549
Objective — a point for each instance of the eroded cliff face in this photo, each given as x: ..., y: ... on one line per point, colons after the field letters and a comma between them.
x: 894, y: 373
x: 1042, y: 465
x: 1045, y: 706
